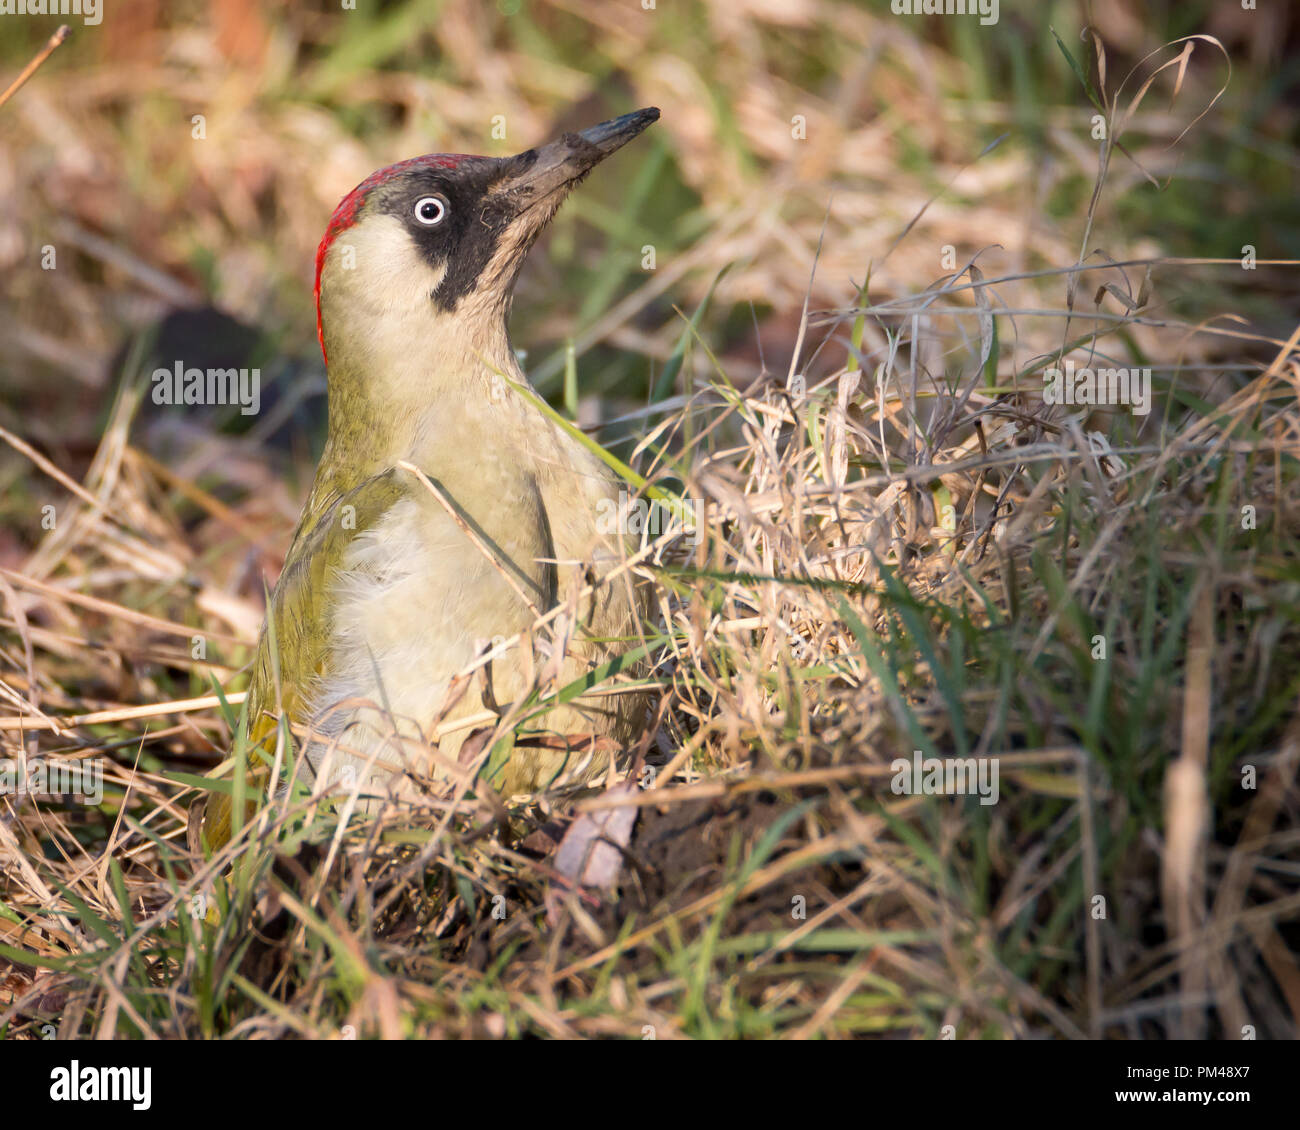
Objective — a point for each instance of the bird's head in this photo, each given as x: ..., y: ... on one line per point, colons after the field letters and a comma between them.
x: 428, y: 250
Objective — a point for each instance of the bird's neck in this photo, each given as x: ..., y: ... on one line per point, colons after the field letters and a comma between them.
x: 386, y: 390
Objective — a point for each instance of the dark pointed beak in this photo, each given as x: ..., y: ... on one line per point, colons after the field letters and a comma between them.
x: 537, y: 174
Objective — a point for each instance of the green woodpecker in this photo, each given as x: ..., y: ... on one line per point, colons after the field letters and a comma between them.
x: 394, y: 584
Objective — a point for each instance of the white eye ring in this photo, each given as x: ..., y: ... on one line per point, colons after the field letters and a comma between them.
x: 430, y: 210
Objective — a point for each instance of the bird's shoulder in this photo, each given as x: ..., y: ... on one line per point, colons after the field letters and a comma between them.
x: 295, y: 644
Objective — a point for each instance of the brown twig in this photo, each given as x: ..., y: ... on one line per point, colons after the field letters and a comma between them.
x: 44, y: 53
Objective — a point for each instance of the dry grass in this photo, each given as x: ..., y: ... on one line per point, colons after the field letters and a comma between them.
x: 901, y: 547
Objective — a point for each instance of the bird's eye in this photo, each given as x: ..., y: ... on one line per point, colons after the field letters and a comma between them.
x: 430, y: 210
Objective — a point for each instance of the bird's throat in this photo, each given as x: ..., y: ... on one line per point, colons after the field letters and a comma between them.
x: 388, y: 391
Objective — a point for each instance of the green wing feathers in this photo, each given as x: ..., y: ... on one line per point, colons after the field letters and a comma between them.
x: 298, y: 623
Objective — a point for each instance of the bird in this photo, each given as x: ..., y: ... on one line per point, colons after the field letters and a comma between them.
x: 449, y: 510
